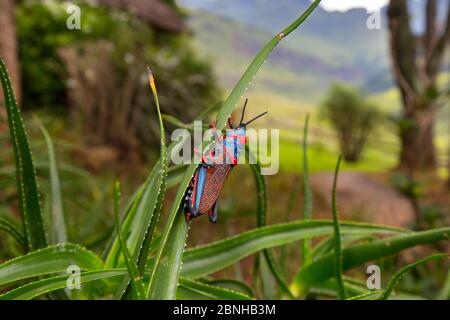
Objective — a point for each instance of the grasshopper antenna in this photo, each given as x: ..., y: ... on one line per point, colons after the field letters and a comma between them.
x: 255, y: 118
x: 243, y: 112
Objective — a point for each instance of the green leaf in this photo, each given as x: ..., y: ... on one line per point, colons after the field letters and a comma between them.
x: 10, y: 228
x: 141, y: 220
x: 138, y: 216
x: 308, y: 197
x: 191, y: 289
x: 225, y: 111
x: 25, y: 171
x: 352, y: 286
x: 57, y: 224
x: 308, y: 205
x: 397, y: 277
x: 135, y: 277
x: 167, y: 269
x: 53, y: 259
x: 323, y: 269
x: 337, y: 238
x: 327, y: 245
x: 233, y: 99
x: 162, y: 182
x: 232, y: 284
x: 206, y: 259
x: 444, y: 294
x: 40, y: 287
x: 366, y: 295
x: 272, y: 263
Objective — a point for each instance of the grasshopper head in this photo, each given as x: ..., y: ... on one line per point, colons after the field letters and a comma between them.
x: 236, y: 139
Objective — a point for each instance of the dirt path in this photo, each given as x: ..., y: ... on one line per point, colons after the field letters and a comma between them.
x: 362, y: 198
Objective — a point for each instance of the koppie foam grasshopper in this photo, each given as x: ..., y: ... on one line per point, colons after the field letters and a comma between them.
x: 204, y: 189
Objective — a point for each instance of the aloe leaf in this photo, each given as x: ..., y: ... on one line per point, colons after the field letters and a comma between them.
x: 112, y: 250
x: 356, y: 289
x: 175, y: 175
x: 232, y: 284
x: 444, y: 294
x: 225, y: 111
x: 135, y: 277
x: 53, y: 259
x: 174, y: 211
x: 398, y: 276
x: 353, y: 287
x: 138, y: 214
x: 167, y: 270
x: 272, y: 263
x: 191, y: 289
x: 233, y: 99
x: 25, y: 171
x: 57, y: 224
x: 308, y: 197
x: 364, y: 296
x: 163, y: 173
x: 10, y: 228
x: 326, y: 245
x: 323, y: 269
x: 38, y: 288
x: 144, y: 215
x: 203, y: 260
x: 337, y: 238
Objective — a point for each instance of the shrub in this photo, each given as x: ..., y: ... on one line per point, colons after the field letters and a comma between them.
x: 99, y: 73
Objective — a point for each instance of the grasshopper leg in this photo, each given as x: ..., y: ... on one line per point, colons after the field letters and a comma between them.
x: 213, y: 213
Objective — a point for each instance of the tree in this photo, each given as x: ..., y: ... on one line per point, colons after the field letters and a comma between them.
x: 416, y: 62
x: 8, y: 44
x: 352, y: 117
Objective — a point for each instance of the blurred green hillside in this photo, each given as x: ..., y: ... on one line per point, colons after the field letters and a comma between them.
x: 332, y: 47
x: 304, y: 64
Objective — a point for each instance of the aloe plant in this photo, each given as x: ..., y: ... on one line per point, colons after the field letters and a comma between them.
x: 34, y: 228
x: 145, y: 259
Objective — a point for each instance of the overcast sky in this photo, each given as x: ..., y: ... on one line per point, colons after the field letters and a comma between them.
x: 342, y: 5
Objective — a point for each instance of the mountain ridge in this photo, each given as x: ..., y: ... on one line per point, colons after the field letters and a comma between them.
x: 328, y: 47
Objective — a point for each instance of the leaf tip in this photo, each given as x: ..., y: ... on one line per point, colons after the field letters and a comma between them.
x: 151, y: 79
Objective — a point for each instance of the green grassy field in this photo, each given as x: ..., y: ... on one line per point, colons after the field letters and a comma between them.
x: 380, y: 154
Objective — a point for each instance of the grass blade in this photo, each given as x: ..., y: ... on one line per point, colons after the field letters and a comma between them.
x: 398, y: 276
x: 57, y: 224
x: 136, y: 280
x: 25, y: 171
x: 52, y: 259
x: 323, y: 269
x: 337, y: 238
x: 203, y: 260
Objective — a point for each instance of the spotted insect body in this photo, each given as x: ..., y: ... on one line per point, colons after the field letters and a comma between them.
x: 204, y: 189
